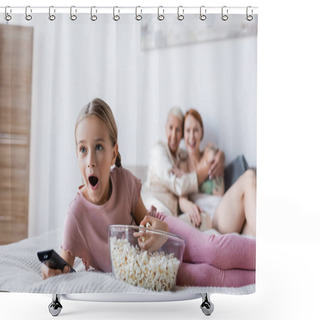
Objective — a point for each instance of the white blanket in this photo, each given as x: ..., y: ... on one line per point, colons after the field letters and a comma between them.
x: 20, y: 272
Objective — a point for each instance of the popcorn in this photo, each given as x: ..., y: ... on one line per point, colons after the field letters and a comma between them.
x: 156, y: 271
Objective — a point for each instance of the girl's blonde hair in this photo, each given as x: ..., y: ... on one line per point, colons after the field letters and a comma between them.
x: 100, y: 109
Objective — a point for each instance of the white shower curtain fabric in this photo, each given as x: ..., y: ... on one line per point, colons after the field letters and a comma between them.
x: 141, y: 69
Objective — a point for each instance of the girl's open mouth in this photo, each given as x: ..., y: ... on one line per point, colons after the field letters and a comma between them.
x: 93, y: 181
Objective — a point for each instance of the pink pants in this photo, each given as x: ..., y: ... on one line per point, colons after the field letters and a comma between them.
x: 209, y: 260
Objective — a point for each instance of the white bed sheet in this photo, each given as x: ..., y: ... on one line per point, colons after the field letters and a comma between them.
x: 20, y: 272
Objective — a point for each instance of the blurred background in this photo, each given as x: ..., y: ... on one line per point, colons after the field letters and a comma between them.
x: 50, y: 70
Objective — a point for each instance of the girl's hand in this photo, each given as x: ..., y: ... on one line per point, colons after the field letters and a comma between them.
x: 47, y: 272
x: 151, y: 241
x: 193, y: 212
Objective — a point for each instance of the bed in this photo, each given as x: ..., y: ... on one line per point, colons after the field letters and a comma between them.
x: 20, y: 272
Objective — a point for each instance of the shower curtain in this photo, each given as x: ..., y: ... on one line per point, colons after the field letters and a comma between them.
x: 142, y: 64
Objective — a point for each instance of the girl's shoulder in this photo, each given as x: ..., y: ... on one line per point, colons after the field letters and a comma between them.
x: 80, y: 203
x: 122, y: 174
x: 77, y: 204
x: 125, y: 185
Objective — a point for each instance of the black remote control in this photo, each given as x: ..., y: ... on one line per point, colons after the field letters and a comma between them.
x: 53, y: 260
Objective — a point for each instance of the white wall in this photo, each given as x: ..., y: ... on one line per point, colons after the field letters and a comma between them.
x: 216, y: 78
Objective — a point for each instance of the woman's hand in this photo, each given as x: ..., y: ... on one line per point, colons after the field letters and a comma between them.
x: 209, y: 153
x: 47, y: 272
x: 151, y: 241
x: 217, y: 166
x: 193, y: 211
x: 177, y: 172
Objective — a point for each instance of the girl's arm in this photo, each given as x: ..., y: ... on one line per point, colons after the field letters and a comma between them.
x: 142, y: 217
x: 140, y: 211
x: 47, y: 272
x: 67, y: 256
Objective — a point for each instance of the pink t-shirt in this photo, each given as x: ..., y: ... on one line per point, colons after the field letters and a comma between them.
x: 85, y: 230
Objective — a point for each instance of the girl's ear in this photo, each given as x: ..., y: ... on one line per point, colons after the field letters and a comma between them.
x: 114, y: 153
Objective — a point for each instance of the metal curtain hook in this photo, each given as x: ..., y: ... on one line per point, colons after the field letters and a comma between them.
x: 203, y: 13
x: 116, y: 17
x: 249, y: 17
x: 180, y: 15
x: 8, y: 17
x: 73, y: 17
x: 160, y: 16
x: 28, y: 15
x: 138, y: 16
x: 93, y: 17
x: 224, y: 13
x: 52, y: 16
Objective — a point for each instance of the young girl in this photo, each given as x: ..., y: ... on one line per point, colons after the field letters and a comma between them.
x: 112, y: 196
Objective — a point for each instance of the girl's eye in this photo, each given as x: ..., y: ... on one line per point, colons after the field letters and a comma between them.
x: 99, y: 147
x: 82, y: 149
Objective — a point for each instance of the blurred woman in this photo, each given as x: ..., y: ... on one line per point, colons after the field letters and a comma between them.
x: 236, y: 211
x: 163, y: 188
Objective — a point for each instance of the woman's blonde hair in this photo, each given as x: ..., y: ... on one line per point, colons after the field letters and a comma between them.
x: 100, y: 109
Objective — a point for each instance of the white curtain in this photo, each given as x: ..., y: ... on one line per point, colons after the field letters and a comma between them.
x: 76, y: 61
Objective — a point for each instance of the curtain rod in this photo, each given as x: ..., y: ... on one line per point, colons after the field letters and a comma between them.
x: 128, y: 10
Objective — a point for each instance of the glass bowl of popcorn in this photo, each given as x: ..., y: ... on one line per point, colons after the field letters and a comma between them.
x: 155, y: 267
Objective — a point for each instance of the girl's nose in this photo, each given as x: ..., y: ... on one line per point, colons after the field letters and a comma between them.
x: 91, y: 161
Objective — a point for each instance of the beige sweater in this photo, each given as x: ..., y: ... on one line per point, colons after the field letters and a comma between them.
x: 162, y: 188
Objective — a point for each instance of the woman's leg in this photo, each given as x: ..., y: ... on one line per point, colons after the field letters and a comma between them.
x: 238, y: 207
x: 229, y: 251
x: 204, y: 275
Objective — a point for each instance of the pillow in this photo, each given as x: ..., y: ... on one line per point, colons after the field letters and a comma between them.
x: 234, y: 170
